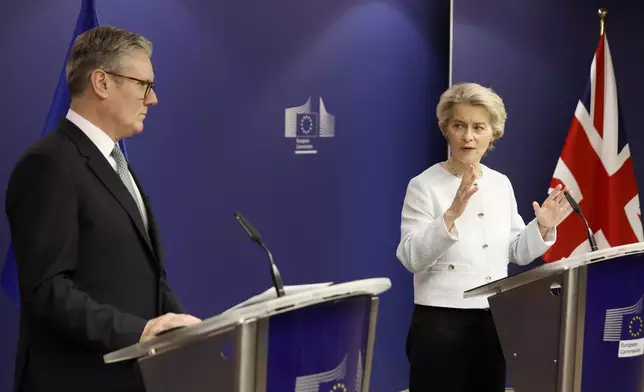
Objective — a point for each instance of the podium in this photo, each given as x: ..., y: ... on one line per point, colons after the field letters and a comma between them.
x: 316, y: 340
x: 575, y: 325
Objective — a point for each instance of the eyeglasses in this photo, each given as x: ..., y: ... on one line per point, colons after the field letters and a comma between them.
x: 149, y: 86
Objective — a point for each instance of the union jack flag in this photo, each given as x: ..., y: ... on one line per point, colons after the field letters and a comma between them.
x: 596, y: 165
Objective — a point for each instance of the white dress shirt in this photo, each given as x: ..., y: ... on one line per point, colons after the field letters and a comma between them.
x: 477, y: 250
x: 105, y: 145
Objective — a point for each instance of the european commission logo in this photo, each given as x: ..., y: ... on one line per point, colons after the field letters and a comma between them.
x: 626, y: 326
x: 306, y: 126
x: 334, y: 379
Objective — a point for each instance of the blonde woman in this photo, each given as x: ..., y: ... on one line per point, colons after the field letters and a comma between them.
x: 460, y: 228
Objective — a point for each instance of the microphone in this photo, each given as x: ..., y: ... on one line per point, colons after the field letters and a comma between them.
x: 577, y: 209
x: 254, y: 235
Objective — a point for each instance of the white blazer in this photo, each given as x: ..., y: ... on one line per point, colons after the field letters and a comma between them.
x: 488, y: 236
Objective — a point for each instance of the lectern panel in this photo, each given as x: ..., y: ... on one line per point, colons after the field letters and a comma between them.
x: 324, y: 345
x: 528, y: 321
x: 613, y: 357
x: 194, y: 367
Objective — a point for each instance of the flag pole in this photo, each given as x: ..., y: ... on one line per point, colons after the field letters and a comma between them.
x: 602, y: 16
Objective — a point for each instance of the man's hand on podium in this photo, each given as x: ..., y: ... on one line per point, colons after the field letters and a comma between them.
x: 166, y: 322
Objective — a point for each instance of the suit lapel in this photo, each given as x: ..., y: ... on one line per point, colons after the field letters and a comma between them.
x: 106, y: 174
x: 152, y: 225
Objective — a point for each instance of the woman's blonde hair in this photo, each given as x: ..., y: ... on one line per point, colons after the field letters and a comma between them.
x: 475, y: 95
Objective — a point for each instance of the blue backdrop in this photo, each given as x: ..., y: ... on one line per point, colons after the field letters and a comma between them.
x: 226, y: 72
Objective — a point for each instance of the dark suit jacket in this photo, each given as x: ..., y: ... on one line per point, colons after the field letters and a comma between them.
x: 90, y: 276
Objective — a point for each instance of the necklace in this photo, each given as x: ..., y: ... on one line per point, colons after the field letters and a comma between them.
x: 449, y: 166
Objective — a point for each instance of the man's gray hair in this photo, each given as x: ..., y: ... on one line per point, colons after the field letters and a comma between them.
x: 475, y: 95
x: 101, y: 47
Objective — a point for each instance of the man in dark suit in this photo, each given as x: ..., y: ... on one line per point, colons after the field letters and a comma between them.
x: 87, y: 247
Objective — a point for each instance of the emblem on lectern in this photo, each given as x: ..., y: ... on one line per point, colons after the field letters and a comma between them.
x: 626, y: 327
x: 635, y: 327
x: 339, y: 387
x: 311, y: 383
x: 337, y: 376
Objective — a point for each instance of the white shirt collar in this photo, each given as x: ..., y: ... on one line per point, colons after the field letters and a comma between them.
x: 103, y: 142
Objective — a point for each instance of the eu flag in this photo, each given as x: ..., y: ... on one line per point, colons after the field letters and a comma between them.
x: 307, y: 125
x: 87, y: 19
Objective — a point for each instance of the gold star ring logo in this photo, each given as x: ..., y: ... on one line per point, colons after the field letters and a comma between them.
x: 636, y: 326
x: 339, y: 387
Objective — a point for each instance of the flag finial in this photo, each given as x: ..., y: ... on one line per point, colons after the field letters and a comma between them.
x: 602, y: 16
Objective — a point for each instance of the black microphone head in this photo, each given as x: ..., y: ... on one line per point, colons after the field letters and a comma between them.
x: 254, y: 235
x: 572, y: 202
